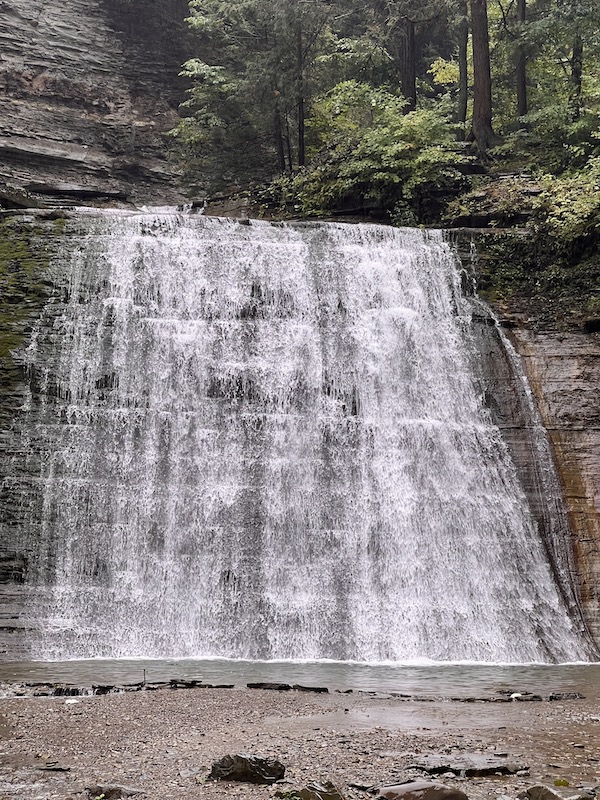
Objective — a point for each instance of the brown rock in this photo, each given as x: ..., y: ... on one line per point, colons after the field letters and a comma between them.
x: 564, y: 373
x: 421, y: 790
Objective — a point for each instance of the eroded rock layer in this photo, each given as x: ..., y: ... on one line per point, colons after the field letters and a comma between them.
x: 88, y: 89
x: 564, y: 373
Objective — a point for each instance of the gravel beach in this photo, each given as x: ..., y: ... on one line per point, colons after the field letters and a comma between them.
x: 164, y: 742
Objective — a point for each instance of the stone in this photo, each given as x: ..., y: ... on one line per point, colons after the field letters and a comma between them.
x: 247, y: 768
x: 53, y: 766
x: 107, y: 792
x: 421, y: 790
x: 73, y: 190
x: 313, y: 791
x: 566, y: 696
x: 276, y: 687
x: 470, y: 765
x: 541, y: 792
x: 16, y: 198
x: 564, y: 372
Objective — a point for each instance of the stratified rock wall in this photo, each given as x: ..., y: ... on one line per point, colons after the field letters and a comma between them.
x: 564, y: 372
x: 513, y: 409
x: 88, y: 89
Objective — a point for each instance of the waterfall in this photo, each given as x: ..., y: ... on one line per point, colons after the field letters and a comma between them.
x: 269, y: 441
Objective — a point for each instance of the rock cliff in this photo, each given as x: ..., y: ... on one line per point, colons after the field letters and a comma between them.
x: 88, y: 89
x: 564, y: 373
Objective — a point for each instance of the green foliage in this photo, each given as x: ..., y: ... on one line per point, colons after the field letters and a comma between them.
x: 218, y: 139
x: 260, y: 58
x: 558, y: 132
x: 568, y: 210
x: 444, y: 72
x: 274, y: 81
x: 550, y: 141
x: 365, y: 151
x: 548, y: 272
x: 536, y: 279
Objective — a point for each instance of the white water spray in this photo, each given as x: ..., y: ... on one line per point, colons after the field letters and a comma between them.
x: 267, y: 441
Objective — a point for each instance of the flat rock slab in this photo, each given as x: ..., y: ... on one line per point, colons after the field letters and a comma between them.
x: 421, y: 790
x: 276, y: 687
x: 73, y: 190
x: 471, y: 765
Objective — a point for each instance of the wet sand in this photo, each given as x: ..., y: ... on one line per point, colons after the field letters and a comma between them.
x: 164, y: 742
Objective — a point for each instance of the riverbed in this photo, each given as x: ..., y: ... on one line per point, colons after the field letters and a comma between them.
x: 164, y: 742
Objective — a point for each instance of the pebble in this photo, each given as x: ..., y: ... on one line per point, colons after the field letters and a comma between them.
x: 164, y: 742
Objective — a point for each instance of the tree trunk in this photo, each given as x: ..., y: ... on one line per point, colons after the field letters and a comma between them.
x: 288, y: 141
x: 575, y: 94
x: 408, y: 67
x: 481, y: 131
x: 301, y: 109
x: 521, y: 71
x: 463, y: 72
x: 278, y: 131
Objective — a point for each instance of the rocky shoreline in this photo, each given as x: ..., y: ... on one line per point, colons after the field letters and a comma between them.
x: 163, y: 743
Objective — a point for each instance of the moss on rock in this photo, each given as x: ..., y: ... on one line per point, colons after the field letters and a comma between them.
x: 26, y: 247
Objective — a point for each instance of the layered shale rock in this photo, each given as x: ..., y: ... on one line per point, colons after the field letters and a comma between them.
x: 88, y: 89
x: 564, y: 373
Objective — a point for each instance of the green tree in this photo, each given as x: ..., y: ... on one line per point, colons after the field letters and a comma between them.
x: 247, y: 105
x: 367, y: 152
x: 549, y: 50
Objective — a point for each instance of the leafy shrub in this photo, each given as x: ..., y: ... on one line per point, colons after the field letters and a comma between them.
x: 365, y: 151
x: 569, y: 207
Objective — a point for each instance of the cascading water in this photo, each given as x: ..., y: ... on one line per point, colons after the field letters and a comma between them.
x: 268, y: 441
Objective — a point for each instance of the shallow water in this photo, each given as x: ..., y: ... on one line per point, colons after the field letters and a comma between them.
x: 427, y: 680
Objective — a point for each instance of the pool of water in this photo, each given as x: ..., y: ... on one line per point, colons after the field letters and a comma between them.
x: 427, y: 680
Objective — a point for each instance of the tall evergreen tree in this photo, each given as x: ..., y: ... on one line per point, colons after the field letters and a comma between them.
x: 481, y: 129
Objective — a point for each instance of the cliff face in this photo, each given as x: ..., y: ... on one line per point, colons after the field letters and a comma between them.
x: 564, y: 373
x: 88, y: 89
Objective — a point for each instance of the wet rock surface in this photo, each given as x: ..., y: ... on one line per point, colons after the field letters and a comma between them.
x: 163, y: 743
x: 112, y: 792
x: 564, y: 373
x: 542, y: 792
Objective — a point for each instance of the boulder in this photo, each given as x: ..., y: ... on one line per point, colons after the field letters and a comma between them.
x: 421, y: 790
x: 247, y: 768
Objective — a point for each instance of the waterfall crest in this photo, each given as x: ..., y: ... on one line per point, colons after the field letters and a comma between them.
x: 269, y: 441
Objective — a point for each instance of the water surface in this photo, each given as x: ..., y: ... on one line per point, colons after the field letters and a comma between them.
x: 423, y: 680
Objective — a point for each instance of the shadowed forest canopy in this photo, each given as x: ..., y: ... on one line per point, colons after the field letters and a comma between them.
x: 387, y: 104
